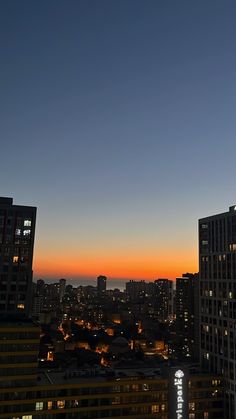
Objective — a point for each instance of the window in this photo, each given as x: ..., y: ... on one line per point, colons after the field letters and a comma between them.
x: 18, y: 232
x: 27, y: 417
x: 39, y: 406
x: 27, y: 223
x: 49, y: 405
x: 15, y: 259
x: 60, y: 404
x: 155, y: 408
x: 21, y: 307
x: 191, y: 406
x: 26, y: 233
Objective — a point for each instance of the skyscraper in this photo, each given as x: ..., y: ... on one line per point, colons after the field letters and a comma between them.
x: 17, y: 227
x: 186, y: 313
x: 217, y: 261
x: 62, y: 287
x: 19, y: 337
x: 163, y: 295
x: 101, y: 284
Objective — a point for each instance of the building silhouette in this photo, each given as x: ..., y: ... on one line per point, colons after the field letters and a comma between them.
x: 186, y: 314
x: 101, y: 284
x: 17, y: 227
x: 19, y: 337
x: 217, y: 260
x: 163, y: 295
x: 62, y: 288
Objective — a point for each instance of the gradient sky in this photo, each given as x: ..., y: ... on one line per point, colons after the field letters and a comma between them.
x: 118, y: 122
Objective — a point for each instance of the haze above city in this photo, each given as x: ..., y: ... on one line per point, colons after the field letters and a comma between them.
x: 118, y: 123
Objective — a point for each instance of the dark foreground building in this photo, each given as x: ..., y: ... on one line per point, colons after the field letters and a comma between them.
x: 217, y: 261
x: 17, y: 227
x: 141, y: 394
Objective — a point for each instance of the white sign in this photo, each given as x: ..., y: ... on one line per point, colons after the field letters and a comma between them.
x: 178, y: 383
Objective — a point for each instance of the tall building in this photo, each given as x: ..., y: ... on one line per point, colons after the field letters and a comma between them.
x: 163, y: 293
x: 62, y: 287
x: 19, y: 337
x: 17, y: 227
x: 135, y: 289
x: 217, y: 261
x: 101, y: 284
x: 186, y: 313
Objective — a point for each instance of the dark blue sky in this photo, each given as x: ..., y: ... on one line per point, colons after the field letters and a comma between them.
x: 118, y: 122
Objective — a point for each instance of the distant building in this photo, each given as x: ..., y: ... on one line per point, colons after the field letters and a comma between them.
x: 136, y: 289
x: 62, y: 287
x: 186, y: 313
x: 163, y: 293
x: 17, y: 227
x: 40, y: 287
x: 101, y: 284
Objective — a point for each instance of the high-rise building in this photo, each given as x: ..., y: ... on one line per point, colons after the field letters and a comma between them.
x: 19, y: 337
x: 217, y: 261
x: 62, y: 287
x: 101, y: 284
x: 163, y: 294
x: 186, y: 313
x: 135, y: 289
x: 17, y: 227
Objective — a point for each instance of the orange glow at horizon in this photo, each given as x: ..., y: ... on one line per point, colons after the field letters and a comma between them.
x: 146, y: 264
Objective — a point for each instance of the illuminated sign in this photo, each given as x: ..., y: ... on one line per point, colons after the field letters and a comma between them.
x: 178, y: 394
x: 178, y: 383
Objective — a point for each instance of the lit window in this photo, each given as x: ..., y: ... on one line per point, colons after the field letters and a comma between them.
x: 60, y: 404
x: 21, y: 306
x: 206, y: 415
x: 39, y: 406
x: 155, y: 408
x: 15, y: 259
x: 27, y: 223
x: 204, y: 226
x: 49, y: 405
x: 204, y: 242
x: 18, y: 232
x: 191, y: 406
x: 26, y: 232
x: 27, y: 417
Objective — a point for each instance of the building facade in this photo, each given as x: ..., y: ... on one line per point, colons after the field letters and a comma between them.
x: 217, y: 262
x: 69, y: 395
x: 17, y: 228
x: 187, y: 314
x: 163, y: 294
x: 101, y: 284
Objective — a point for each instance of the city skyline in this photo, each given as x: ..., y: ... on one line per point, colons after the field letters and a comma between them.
x: 118, y: 125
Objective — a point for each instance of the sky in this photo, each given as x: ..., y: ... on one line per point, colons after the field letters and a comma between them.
x: 118, y: 123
